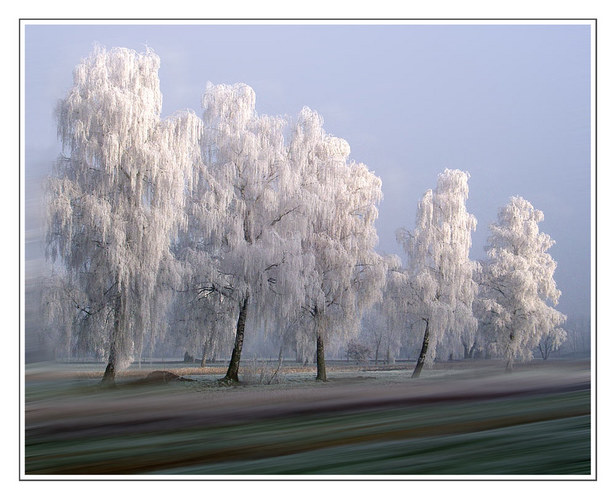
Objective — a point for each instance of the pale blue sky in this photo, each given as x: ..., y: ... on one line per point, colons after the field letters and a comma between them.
x: 509, y: 103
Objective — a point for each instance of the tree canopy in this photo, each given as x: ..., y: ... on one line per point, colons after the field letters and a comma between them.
x: 116, y: 197
x: 518, y: 281
x: 237, y: 220
x: 442, y: 288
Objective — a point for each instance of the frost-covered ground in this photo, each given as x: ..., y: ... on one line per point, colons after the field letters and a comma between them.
x: 458, y: 419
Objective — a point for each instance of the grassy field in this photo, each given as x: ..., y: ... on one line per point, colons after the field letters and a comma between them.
x: 460, y: 419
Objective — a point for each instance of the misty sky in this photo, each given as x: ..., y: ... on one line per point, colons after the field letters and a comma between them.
x: 511, y: 104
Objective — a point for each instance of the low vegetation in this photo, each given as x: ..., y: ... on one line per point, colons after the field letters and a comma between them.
x: 468, y: 419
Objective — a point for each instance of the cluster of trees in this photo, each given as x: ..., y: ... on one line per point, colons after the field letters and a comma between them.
x: 499, y: 306
x: 212, y: 223
x: 201, y: 227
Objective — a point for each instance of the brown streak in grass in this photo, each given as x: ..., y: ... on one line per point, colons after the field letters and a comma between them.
x: 261, y: 451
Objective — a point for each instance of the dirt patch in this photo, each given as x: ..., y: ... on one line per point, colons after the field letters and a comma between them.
x: 163, y: 377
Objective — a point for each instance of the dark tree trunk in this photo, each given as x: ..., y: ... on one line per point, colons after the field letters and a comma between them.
x: 321, y: 373
x: 545, y: 352
x: 109, y: 375
x: 509, y: 366
x: 422, y: 355
x: 118, y: 324
x: 234, y: 365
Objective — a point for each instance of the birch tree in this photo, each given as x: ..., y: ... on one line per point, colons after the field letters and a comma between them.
x: 60, y: 300
x: 341, y: 273
x: 116, y: 195
x: 246, y: 259
x: 442, y: 288
x: 518, y: 282
x: 551, y: 341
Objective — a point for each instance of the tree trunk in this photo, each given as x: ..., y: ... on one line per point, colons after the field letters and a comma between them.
x: 321, y: 374
x: 422, y: 355
x: 141, y: 347
x: 545, y: 353
x: 390, y: 359
x: 204, y: 355
x: 118, y: 324
x: 207, y: 347
x: 234, y: 365
x: 469, y: 353
x: 509, y: 354
x: 109, y: 375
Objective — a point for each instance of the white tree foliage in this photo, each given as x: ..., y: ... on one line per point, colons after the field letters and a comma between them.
x: 60, y: 302
x: 242, y: 249
x: 244, y: 218
x: 222, y: 211
x: 442, y: 288
x: 386, y: 323
x: 116, y: 197
x: 341, y: 273
x: 518, y: 281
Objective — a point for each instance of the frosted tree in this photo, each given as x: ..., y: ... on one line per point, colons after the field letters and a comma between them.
x: 115, y: 199
x: 202, y: 322
x: 551, y: 341
x: 518, y: 281
x: 383, y: 325
x: 341, y: 274
x: 60, y: 300
x: 373, y: 330
x: 392, y: 306
x: 203, y: 307
x: 243, y: 245
x: 442, y: 288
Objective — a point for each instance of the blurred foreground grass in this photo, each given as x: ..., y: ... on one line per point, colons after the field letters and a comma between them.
x: 517, y: 433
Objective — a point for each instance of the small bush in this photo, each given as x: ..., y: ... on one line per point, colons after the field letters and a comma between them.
x: 357, y: 352
x: 257, y: 372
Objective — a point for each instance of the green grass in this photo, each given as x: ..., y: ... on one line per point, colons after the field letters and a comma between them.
x: 499, y: 452
x: 522, y: 435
